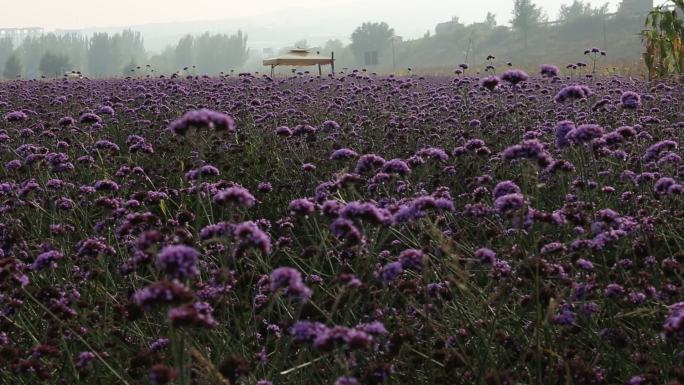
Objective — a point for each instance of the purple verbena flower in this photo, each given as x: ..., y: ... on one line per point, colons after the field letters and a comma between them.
x: 197, y: 314
x: 236, y: 195
x: 490, y: 82
x: 291, y: 280
x: 509, y: 203
x: 15, y: 116
x: 572, y: 92
x: 485, y: 256
x: 514, y: 76
x: 301, y: 207
x: 249, y: 235
x: 549, y: 70
x: 203, y: 118
x: 343, y: 153
x: 178, y: 261
x: 504, y: 188
x: 391, y: 271
x: 47, y: 259
x: 411, y: 259
x: 562, y: 129
x: 630, y: 100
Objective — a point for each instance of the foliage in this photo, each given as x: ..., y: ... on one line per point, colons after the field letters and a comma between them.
x: 71, y: 45
x: 12, y: 68
x: 490, y: 20
x: 6, y: 50
x: 184, y: 54
x: 526, y: 16
x: 335, y: 45
x: 102, y: 55
x: 53, y: 65
x: 108, y: 54
x: 211, y: 53
x: 370, y: 37
x: 130, y: 44
x: 663, y: 37
x: 579, y: 9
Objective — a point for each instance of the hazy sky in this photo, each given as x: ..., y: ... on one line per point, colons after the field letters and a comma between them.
x: 52, y: 14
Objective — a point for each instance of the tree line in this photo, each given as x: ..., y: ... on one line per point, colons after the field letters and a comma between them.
x: 529, y: 38
x: 121, y: 54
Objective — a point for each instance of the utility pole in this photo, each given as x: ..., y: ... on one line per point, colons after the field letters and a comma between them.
x: 320, y: 72
x: 332, y: 62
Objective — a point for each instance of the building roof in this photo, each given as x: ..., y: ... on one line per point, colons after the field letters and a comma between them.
x: 298, y: 57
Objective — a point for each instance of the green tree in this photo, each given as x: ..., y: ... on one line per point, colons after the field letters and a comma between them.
x: 578, y: 10
x: 663, y: 37
x: 184, y: 53
x: 490, y: 20
x: 526, y: 16
x: 31, y: 50
x: 75, y: 47
x: 53, y: 65
x: 6, y: 49
x: 573, y: 11
x: 371, y: 37
x: 129, y: 45
x: 103, y: 57
x: 220, y: 52
x: 12, y: 67
x: 334, y: 45
x: 164, y: 62
x: 343, y: 55
x: 237, y: 48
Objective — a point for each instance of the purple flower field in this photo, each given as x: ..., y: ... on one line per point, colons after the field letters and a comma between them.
x: 349, y: 229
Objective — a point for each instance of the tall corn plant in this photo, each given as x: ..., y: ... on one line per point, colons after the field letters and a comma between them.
x: 662, y: 36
